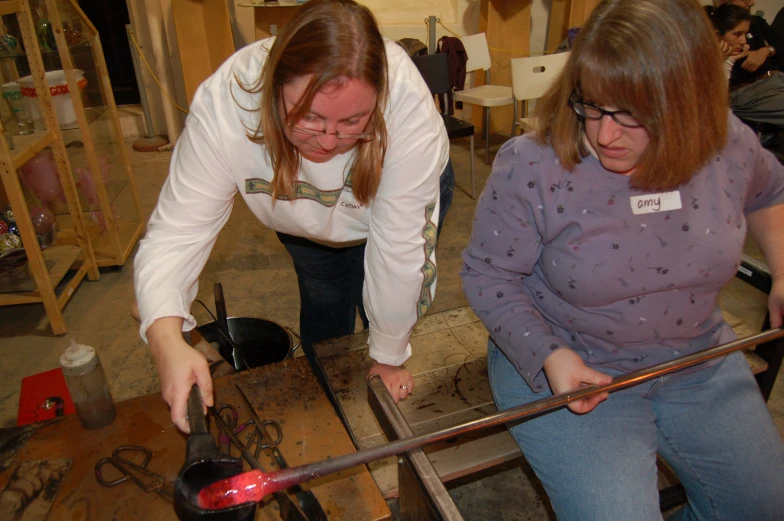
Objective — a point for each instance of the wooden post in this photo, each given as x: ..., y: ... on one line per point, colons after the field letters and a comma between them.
x: 558, y: 26
x: 204, y: 38
x: 507, y: 24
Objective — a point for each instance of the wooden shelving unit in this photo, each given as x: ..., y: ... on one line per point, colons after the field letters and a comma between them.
x: 48, y: 267
x: 93, y: 139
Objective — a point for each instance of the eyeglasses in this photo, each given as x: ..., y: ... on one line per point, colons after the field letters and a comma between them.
x: 590, y: 111
x: 364, y: 136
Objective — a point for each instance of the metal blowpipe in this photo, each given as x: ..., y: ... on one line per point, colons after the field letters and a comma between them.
x: 254, y: 485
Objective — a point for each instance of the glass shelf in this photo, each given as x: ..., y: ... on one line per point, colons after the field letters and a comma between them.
x: 18, y: 287
x: 27, y: 146
x: 74, y: 48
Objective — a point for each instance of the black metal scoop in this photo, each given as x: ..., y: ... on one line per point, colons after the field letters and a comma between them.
x: 204, y: 464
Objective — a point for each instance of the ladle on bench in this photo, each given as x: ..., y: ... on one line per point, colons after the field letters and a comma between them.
x: 204, y: 464
x: 255, y: 485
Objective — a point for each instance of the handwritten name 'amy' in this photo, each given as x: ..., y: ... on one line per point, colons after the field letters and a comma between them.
x: 652, y: 203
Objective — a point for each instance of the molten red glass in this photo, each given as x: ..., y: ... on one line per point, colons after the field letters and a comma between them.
x: 242, y: 488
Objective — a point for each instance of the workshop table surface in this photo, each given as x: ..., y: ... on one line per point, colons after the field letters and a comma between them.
x: 287, y: 392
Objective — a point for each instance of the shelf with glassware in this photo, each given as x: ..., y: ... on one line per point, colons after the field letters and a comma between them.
x: 31, y: 269
x: 87, y: 116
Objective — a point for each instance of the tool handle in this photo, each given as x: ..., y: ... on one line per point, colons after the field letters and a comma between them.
x: 265, y: 436
x: 254, y: 463
x: 105, y: 482
x: 220, y: 306
x: 196, y: 418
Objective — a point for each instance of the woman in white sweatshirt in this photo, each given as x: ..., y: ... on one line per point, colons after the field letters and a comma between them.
x: 332, y: 138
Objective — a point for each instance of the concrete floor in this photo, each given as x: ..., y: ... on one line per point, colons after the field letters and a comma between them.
x: 259, y: 280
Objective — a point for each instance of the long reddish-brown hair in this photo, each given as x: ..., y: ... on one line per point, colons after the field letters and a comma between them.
x: 331, y: 40
x: 658, y: 59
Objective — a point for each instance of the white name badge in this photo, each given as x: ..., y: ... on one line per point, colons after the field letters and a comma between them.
x: 653, y: 203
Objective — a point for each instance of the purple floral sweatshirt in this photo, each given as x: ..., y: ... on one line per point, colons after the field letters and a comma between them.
x: 623, y: 277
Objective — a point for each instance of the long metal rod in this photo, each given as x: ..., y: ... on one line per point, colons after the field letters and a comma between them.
x: 302, y: 473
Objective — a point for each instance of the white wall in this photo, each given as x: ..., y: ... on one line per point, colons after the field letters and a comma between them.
x: 770, y: 8
x: 458, y: 16
x: 398, y: 19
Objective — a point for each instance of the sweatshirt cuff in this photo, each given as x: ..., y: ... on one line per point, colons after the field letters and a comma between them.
x: 388, y: 350
x: 159, y: 303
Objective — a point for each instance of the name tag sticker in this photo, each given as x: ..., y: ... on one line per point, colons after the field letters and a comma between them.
x: 654, y: 203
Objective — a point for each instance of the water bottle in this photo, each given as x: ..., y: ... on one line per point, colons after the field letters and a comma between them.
x: 87, y: 384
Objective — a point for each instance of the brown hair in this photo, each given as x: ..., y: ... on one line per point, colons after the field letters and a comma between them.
x: 659, y: 60
x: 332, y: 40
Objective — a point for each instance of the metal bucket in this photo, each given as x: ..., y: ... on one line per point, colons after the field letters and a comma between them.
x: 256, y: 341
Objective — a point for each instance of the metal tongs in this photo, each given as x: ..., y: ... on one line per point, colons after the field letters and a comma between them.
x: 138, y: 473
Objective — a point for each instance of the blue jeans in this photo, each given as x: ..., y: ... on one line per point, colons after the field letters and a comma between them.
x: 330, y: 289
x: 712, y: 427
x: 447, y: 182
x: 761, y: 102
x: 331, y: 279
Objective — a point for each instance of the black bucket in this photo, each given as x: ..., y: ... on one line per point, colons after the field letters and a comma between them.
x: 256, y: 341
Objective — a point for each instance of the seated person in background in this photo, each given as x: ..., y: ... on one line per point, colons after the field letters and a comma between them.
x: 731, y: 24
x: 599, y: 247
x: 759, y: 99
x: 763, y: 42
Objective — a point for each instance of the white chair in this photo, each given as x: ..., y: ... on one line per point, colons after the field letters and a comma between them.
x: 486, y: 95
x: 531, y: 77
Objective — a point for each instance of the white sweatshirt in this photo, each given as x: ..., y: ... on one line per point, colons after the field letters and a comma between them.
x: 213, y: 159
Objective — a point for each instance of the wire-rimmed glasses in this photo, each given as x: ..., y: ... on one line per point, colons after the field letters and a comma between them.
x: 363, y: 136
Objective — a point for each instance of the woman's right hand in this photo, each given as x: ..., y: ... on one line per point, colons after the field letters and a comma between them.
x: 179, y: 367
x: 726, y: 48
x: 566, y: 371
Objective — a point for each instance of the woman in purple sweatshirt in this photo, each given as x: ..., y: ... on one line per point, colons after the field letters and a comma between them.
x: 600, y: 245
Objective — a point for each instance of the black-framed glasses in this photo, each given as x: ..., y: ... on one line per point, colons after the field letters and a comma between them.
x: 363, y: 136
x: 590, y: 111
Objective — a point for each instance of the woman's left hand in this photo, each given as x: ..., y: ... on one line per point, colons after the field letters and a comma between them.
x: 776, y: 303
x: 398, y: 380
